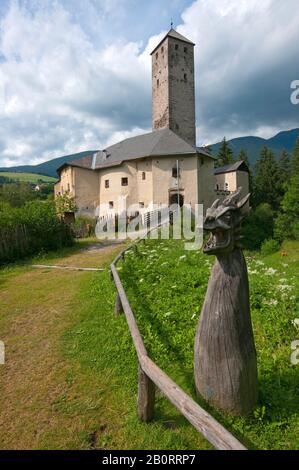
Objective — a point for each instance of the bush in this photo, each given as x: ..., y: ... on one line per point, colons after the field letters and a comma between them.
x: 269, y: 246
x: 84, y: 226
x: 30, y: 229
x: 258, y: 227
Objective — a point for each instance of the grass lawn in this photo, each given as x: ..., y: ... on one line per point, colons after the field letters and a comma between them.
x: 166, y: 286
x: 70, y: 378
x: 28, y: 177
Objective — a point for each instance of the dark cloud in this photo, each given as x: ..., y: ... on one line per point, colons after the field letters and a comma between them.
x: 67, y: 87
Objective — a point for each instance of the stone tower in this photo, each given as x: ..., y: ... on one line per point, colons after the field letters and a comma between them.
x: 173, y: 96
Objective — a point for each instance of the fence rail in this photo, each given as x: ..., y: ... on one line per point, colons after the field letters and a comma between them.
x: 151, y: 376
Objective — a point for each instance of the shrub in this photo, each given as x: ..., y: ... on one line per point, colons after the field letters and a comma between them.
x: 30, y: 229
x: 269, y: 246
x: 258, y: 227
x: 84, y: 226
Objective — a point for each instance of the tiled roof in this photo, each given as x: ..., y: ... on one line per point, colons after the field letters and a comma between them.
x: 159, y: 143
x: 173, y: 34
x: 239, y: 165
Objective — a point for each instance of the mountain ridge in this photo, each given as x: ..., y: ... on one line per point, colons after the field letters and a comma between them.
x: 283, y: 140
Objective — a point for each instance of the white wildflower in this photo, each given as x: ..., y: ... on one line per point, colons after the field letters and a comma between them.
x: 270, y: 271
x: 271, y: 302
x: 182, y: 257
x: 284, y: 287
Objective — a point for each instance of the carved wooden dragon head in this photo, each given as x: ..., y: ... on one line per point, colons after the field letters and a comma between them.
x: 223, y: 220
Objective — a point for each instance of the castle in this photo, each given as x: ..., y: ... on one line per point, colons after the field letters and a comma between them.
x: 160, y: 167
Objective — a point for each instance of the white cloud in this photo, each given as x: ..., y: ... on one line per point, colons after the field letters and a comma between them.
x: 246, y: 54
x: 62, y: 94
x: 66, y: 85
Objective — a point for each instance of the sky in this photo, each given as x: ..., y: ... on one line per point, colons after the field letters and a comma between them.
x: 76, y: 75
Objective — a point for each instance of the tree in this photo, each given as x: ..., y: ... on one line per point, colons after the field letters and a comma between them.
x: 225, y: 154
x: 17, y: 194
x: 65, y: 203
x: 243, y: 157
x: 287, y: 222
x: 284, y: 166
x: 267, y: 185
x: 258, y: 227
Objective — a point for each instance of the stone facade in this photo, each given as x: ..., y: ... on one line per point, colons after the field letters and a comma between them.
x: 173, y: 91
x: 149, y: 181
x: 229, y: 179
x: 148, y: 164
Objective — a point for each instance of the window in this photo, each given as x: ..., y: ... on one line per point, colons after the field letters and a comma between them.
x: 141, y: 204
x: 174, y: 172
x: 177, y: 127
x: 162, y: 49
x: 217, y: 187
x: 185, y: 77
x: 111, y: 204
x: 143, y: 175
x: 106, y: 183
x: 68, y: 187
x: 176, y: 47
x: 124, y: 181
x: 158, y: 82
x: 157, y: 55
x: 185, y: 50
x: 226, y: 186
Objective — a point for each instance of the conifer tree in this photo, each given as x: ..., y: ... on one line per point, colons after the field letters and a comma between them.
x: 284, y: 166
x: 287, y: 222
x: 243, y: 157
x: 225, y: 154
x: 267, y: 185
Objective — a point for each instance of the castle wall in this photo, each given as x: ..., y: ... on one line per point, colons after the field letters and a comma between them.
x: 165, y: 185
x: 206, y: 182
x: 86, y: 191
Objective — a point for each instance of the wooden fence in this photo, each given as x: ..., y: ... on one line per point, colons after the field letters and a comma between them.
x: 151, y: 376
x: 13, y: 242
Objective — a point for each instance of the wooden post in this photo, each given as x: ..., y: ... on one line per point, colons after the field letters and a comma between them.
x: 146, y: 396
x: 118, y: 305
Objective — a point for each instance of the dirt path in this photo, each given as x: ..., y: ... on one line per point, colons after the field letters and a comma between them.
x: 36, y: 308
